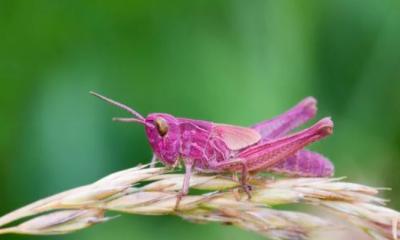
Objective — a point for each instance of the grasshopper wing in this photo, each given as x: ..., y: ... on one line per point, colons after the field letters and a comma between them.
x: 236, y: 137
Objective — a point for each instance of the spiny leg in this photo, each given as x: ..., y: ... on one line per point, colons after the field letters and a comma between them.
x: 267, y: 154
x: 284, y: 123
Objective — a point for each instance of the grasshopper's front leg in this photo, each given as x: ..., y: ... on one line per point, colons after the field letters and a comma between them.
x: 189, y: 164
x: 153, y: 161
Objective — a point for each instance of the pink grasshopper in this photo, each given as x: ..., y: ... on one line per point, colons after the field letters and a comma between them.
x: 212, y: 147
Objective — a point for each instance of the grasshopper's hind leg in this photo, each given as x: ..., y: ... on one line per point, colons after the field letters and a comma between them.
x: 284, y: 123
x: 267, y: 154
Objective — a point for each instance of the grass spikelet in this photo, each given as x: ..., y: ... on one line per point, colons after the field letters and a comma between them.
x: 153, y: 191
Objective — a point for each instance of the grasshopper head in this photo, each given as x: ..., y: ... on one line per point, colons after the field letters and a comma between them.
x: 162, y: 131
x: 163, y: 134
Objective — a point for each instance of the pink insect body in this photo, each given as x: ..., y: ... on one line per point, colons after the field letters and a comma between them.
x: 211, y: 147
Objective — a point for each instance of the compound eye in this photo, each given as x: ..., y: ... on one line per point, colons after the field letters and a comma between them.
x: 162, y: 126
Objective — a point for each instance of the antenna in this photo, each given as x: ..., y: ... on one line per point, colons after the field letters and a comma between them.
x: 120, y: 105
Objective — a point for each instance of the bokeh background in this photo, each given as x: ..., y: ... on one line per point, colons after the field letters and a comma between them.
x: 235, y: 62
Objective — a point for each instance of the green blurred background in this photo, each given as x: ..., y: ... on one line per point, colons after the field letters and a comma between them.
x: 235, y: 62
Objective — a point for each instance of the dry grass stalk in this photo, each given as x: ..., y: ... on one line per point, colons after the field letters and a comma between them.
x: 223, y: 201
